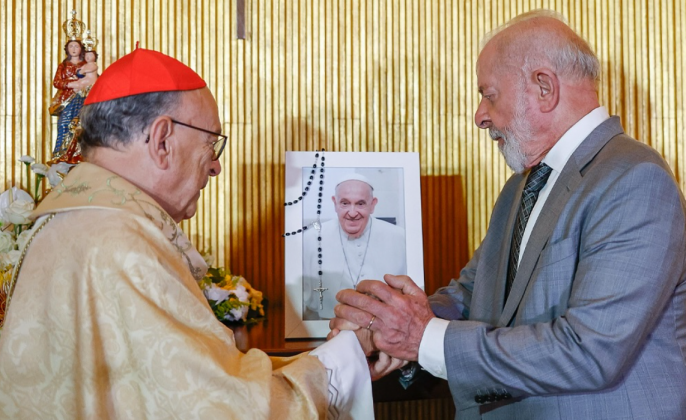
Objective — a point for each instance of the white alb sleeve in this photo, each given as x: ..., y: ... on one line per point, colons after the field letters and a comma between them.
x: 350, y: 384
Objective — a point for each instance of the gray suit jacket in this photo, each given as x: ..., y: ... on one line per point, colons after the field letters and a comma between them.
x: 595, y: 326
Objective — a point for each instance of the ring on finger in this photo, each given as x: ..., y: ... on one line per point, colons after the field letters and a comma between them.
x: 371, y: 321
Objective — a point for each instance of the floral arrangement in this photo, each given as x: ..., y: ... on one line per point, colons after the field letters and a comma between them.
x: 15, y: 227
x: 231, y: 297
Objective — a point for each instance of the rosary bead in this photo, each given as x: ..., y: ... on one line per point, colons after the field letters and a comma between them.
x: 304, y: 193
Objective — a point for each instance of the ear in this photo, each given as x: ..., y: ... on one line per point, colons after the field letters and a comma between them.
x: 374, y: 201
x: 548, y: 89
x: 159, y: 143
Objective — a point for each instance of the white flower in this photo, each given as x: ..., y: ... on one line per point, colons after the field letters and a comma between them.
x: 6, y: 242
x: 27, y: 159
x: 40, y: 169
x: 9, y: 258
x: 15, y: 206
x: 236, y: 314
x: 216, y: 293
x: 239, y: 313
x: 23, y: 238
x: 53, y: 173
x: 241, y: 293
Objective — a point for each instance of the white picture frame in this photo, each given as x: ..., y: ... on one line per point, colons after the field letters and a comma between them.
x: 396, y: 183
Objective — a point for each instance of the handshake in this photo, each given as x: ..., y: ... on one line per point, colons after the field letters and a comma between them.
x: 388, y: 319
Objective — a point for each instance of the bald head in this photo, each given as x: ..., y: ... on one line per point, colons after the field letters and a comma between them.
x: 542, y: 38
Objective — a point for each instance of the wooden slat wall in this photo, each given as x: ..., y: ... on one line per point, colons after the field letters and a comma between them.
x: 345, y: 75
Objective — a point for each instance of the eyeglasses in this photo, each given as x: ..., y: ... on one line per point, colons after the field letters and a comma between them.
x: 217, y: 146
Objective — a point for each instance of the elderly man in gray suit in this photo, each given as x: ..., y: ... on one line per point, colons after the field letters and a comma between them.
x: 574, y: 305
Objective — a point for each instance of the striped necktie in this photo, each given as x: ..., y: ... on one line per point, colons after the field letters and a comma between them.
x: 534, y: 183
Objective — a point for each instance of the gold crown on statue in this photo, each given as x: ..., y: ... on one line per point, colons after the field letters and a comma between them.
x: 89, y: 43
x: 73, y: 27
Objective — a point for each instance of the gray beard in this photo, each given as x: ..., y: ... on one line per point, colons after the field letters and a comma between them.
x: 511, y: 151
x: 514, y: 137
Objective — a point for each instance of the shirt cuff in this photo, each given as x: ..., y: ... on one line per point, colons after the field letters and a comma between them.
x: 350, y: 385
x: 431, y: 350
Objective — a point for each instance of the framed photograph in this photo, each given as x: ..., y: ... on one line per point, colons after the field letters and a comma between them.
x: 350, y: 216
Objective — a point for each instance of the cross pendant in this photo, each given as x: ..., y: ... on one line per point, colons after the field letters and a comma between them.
x: 321, y: 291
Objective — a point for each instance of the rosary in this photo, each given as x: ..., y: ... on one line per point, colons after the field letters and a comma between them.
x: 317, y: 224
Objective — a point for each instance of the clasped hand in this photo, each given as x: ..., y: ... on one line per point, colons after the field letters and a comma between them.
x: 388, y: 318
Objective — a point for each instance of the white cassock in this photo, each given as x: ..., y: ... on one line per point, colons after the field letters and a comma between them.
x: 345, y: 262
x: 107, y: 322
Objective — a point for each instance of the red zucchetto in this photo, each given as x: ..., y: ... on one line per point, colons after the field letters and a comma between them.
x: 143, y: 71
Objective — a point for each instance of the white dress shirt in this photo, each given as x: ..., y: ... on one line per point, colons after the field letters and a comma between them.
x: 431, y: 350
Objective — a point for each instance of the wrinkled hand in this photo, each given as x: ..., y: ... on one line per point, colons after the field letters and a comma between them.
x: 380, y: 364
x: 383, y: 365
x: 364, y: 336
x: 339, y: 324
x: 401, y: 311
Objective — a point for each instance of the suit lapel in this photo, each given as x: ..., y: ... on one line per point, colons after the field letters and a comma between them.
x: 557, y: 200
x: 566, y: 184
x: 491, y: 275
x: 501, y: 274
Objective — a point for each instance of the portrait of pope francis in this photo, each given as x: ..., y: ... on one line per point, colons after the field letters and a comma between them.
x: 364, y: 240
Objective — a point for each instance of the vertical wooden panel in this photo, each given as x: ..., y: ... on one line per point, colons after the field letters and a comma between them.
x: 345, y: 75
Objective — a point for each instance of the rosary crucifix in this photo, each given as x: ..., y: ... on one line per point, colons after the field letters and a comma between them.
x: 321, y: 291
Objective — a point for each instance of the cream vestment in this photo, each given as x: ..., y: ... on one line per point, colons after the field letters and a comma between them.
x: 107, y: 322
